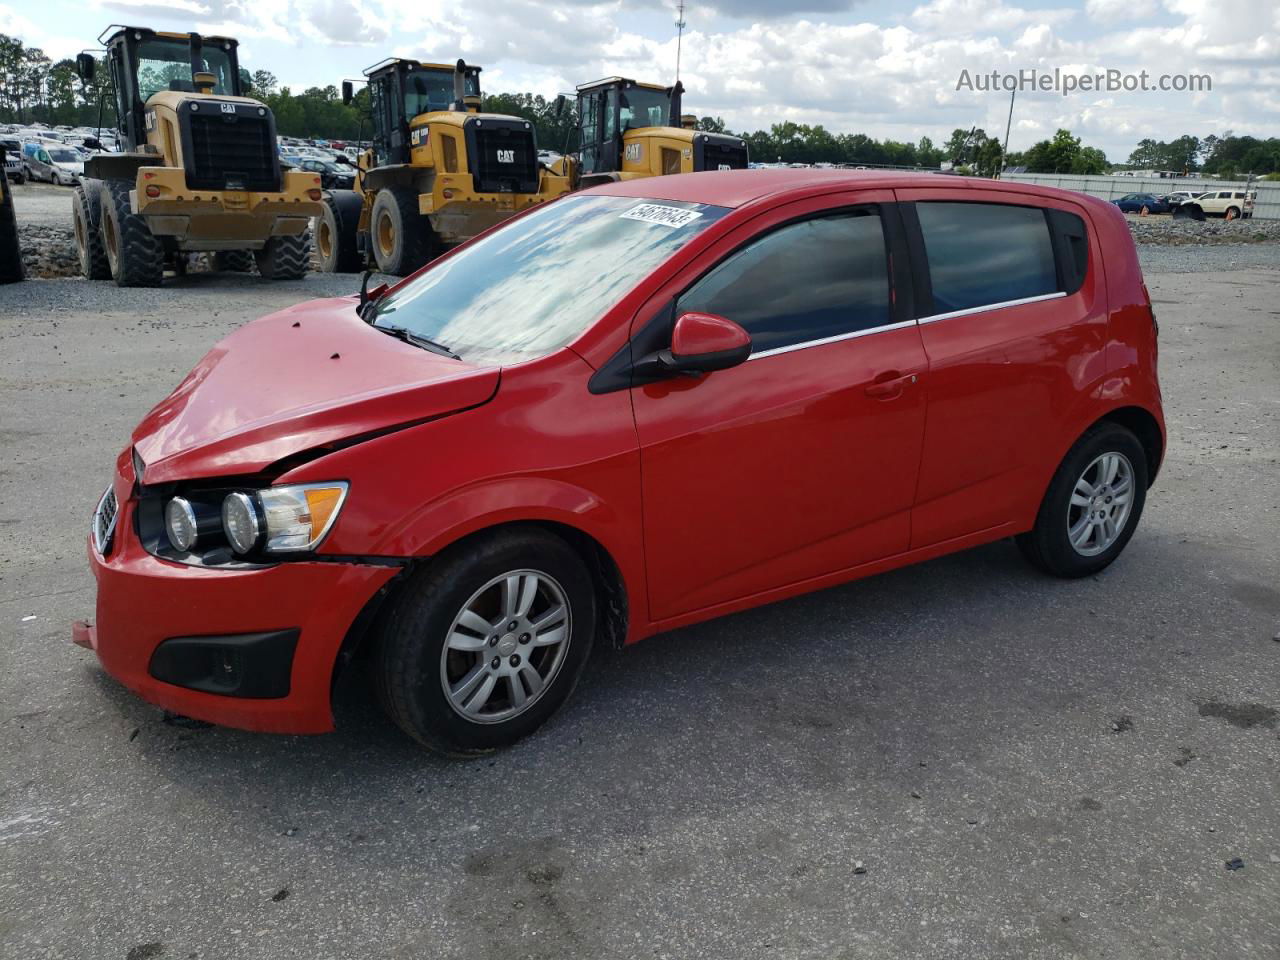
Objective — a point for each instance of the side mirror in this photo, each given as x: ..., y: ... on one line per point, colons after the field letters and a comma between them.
x: 557, y: 106
x: 703, y: 342
x: 85, y: 66
x: 348, y: 93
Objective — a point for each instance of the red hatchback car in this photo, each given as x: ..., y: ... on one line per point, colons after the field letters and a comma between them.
x: 641, y: 406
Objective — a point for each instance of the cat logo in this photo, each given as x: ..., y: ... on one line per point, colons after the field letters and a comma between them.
x: 150, y: 119
x: 418, y: 136
x: 227, y: 107
x: 635, y: 152
x: 506, y: 156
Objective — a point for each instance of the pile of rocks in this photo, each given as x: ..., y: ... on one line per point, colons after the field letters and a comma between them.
x: 1170, y: 232
x: 48, y: 251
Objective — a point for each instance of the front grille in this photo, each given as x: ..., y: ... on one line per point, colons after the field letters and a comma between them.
x: 104, y: 521
x: 229, y: 151
x: 725, y: 155
x: 502, y: 156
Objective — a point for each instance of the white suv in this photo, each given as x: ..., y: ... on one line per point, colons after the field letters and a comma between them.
x: 1232, y: 204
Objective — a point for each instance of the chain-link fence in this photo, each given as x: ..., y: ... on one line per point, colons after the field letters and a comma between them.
x: 1266, y: 206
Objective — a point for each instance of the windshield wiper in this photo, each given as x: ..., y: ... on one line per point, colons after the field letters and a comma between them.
x: 408, y: 336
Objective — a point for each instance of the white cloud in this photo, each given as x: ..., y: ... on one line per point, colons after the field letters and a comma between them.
x: 1115, y: 11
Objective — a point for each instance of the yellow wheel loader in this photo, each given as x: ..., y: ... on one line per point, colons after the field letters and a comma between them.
x: 629, y: 130
x: 200, y: 171
x: 10, y: 250
x: 439, y: 171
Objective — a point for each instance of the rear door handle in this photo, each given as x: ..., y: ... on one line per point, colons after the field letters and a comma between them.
x: 888, y: 385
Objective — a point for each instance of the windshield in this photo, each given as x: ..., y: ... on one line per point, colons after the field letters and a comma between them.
x: 532, y: 286
x: 166, y: 65
x: 427, y: 91
x: 64, y: 155
x: 645, y: 108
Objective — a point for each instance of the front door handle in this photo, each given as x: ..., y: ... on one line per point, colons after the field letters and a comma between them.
x: 888, y: 385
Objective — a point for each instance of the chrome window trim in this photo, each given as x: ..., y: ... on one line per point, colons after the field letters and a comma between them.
x: 933, y: 318
x: 836, y: 339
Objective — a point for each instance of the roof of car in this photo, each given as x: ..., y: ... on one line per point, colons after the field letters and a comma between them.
x: 735, y: 188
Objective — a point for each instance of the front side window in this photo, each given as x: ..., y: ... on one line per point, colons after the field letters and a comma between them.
x: 426, y: 91
x: 806, y: 281
x: 986, y: 253
x: 537, y: 283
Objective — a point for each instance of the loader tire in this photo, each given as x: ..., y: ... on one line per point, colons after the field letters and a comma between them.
x: 86, y: 214
x: 284, y: 258
x: 336, y: 232
x: 134, y: 254
x: 400, y: 235
x: 11, y: 270
x: 232, y: 261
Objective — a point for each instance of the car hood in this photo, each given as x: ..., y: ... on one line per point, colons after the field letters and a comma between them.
x: 303, y: 379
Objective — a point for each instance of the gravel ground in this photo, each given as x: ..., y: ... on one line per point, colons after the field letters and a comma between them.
x: 1027, y: 768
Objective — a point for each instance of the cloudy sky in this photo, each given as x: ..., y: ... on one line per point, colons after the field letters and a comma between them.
x: 871, y: 66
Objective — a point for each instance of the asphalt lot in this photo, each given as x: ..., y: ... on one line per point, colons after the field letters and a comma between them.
x: 1027, y: 768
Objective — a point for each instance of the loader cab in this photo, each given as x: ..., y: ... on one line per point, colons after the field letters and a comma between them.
x: 400, y: 90
x: 607, y: 109
x: 145, y: 62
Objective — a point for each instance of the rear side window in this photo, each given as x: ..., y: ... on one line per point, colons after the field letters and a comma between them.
x: 806, y: 281
x: 986, y: 253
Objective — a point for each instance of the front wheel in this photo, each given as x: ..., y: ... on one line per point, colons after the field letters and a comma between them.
x: 402, y: 237
x: 284, y: 258
x: 1092, y: 506
x: 482, y: 646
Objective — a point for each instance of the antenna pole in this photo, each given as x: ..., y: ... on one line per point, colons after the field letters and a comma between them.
x: 680, y: 25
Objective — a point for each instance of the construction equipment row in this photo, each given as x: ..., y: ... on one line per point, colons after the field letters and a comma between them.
x: 200, y: 170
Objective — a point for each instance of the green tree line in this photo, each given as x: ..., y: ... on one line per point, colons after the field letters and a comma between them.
x: 1228, y: 156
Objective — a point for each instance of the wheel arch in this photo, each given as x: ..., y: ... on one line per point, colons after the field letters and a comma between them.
x: 1141, y: 423
x: 606, y: 577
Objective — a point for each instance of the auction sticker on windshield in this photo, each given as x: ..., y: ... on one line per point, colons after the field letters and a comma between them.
x: 660, y: 214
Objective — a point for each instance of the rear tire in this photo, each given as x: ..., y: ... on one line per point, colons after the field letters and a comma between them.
x: 86, y: 215
x: 11, y: 269
x: 401, y: 237
x: 1083, y: 488
x: 232, y: 261
x: 285, y: 258
x: 1233, y: 213
x: 427, y: 641
x: 134, y: 254
x: 336, y: 232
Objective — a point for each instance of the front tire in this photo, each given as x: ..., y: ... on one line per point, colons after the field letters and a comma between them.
x: 400, y: 235
x: 482, y: 646
x: 134, y: 254
x: 1092, y: 506
x: 284, y: 258
x: 232, y: 261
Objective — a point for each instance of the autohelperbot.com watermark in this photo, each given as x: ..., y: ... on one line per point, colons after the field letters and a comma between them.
x: 1066, y: 83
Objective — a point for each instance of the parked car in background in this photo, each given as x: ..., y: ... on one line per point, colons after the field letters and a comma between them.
x: 1137, y: 202
x: 13, y: 168
x: 1178, y: 197
x: 824, y: 374
x: 1231, y: 204
x: 52, y: 163
x: 332, y: 176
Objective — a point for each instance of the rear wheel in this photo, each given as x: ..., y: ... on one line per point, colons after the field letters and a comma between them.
x: 336, y: 232
x: 134, y: 254
x: 1092, y: 506
x: 232, y: 261
x: 400, y: 235
x: 285, y: 258
x: 86, y: 215
x: 1233, y: 213
x: 482, y: 646
x: 11, y: 269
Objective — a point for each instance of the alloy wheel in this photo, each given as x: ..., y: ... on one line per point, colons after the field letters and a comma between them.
x: 1100, y: 504
x: 506, y: 646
